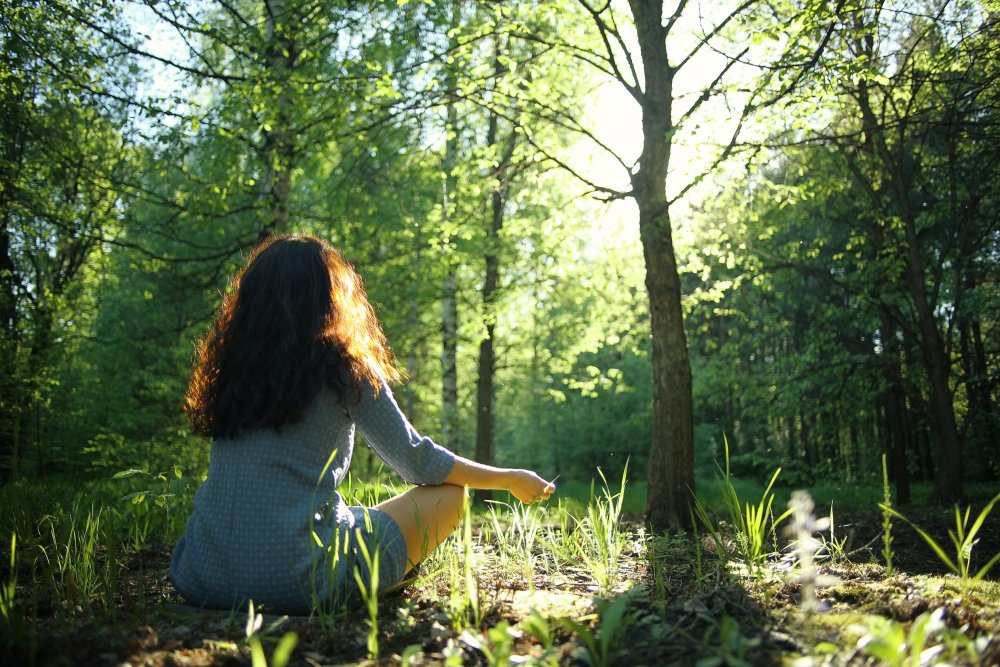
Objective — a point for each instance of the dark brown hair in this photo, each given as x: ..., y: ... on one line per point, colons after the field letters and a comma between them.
x: 293, y: 318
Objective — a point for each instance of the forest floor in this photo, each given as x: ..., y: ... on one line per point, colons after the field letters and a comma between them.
x: 663, y: 600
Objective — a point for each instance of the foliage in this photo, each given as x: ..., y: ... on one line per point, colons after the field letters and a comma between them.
x: 601, y: 646
x: 8, y: 586
x: 599, y: 538
x: 963, y: 538
x: 752, y: 525
x: 282, y: 652
x: 890, y: 643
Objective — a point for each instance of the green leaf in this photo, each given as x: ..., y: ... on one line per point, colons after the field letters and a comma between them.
x: 283, y: 653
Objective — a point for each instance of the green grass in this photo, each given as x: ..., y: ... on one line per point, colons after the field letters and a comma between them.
x: 568, y: 548
x: 844, y: 494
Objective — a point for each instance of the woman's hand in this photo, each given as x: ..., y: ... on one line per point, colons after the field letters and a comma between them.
x: 528, y: 487
x: 525, y: 485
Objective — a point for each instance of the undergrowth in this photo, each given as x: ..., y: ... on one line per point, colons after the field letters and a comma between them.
x: 572, y: 581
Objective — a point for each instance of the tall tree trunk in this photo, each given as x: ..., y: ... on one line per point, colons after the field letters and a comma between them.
x: 948, y: 483
x: 12, y: 144
x: 671, y: 456
x: 895, y: 407
x: 278, y: 148
x: 894, y: 192
x: 10, y: 403
x: 449, y: 285
x: 449, y: 366
x: 487, y: 352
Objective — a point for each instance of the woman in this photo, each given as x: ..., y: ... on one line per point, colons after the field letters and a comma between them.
x: 295, y: 361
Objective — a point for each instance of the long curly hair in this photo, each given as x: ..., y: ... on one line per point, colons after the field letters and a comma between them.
x: 294, y: 318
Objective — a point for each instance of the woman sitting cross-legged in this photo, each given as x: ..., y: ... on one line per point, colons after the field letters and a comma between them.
x: 295, y: 362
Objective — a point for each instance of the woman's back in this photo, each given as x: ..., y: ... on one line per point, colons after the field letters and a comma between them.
x: 267, y: 491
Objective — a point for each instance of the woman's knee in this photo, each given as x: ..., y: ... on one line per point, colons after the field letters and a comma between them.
x: 453, y: 495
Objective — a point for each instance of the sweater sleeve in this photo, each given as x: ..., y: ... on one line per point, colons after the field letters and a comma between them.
x: 417, y: 459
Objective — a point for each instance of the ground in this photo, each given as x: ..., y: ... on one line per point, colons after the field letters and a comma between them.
x: 664, y: 599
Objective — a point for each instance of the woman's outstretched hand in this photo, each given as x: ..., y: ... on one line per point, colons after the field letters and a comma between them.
x: 525, y: 485
x: 528, y: 487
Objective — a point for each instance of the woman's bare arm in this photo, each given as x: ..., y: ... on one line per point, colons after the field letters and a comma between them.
x: 525, y: 485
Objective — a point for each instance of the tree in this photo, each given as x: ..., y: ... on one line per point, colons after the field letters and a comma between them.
x: 917, y: 135
x: 62, y: 99
x: 641, y: 64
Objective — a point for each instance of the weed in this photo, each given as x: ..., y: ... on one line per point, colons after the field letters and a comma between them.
x: 963, y: 538
x: 727, y: 644
x: 369, y: 591
x: 325, y: 602
x: 887, y: 513
x: 834, y: 547
x: 72, y: 556
x: 516, y: 542
x: 560, y: 539
x: 7, y: 587
x: 599, y: 540
x: 463, y: 603
x: 889, y: 642
x: 601, y: 645
x: 539, y: 626
x: 700, y: 512
x: 411, y: 652
x: 803, y: 527
x: 282, y: 652
x: 752, y: 524
x: 496, y: 644
x: 159, y: 494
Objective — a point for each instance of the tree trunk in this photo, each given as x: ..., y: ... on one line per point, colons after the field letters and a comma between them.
x: 10, y: 404
x: 449, y: 367
x: 278, y: 149
x: 894, y: 192
x: 12, y: 147
x: 671, y: 456
x: 449, y: 287
x: 487, y: 353
x: 948, y: 481
x: 895, y: 407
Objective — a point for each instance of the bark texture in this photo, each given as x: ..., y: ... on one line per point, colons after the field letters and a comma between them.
x: 671, y: 454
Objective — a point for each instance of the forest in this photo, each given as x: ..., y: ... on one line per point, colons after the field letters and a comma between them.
x: 728, y: 272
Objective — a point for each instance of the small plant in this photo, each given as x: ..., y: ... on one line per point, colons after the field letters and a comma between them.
x: 538, y: 626
x: 600, y: 540
x: 496, y: 644
x: 282, y: 652
x: 656, y: 558
x: 963, y: 538
x: 560, y: 539
x: 161, y: 490
x: 700, y: 513
x: 7, y: 587
x: 752, y: 524
x: 728, y: 644
x: 516, y: 541
x: 835, y: 548
x: 463, y: 603
x: 411, y: 652
x: 887, y: 513
x: 803, y: 528
x: 79, y: 571
x: 891, y: 644
x: 601, y: 645
x: 369, y: 591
